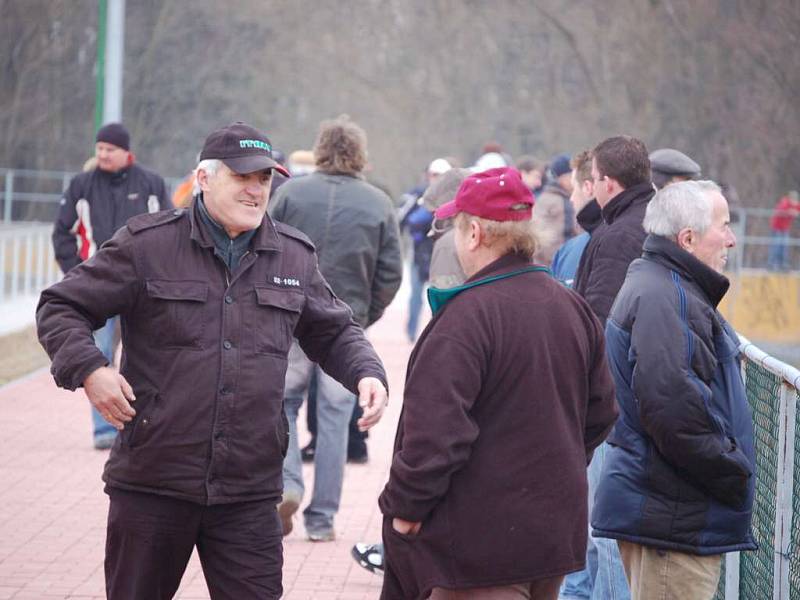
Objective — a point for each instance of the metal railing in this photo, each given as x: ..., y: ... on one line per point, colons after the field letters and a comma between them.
x: 33, y: 195
x: 27, y: 260
x: 772, y: 571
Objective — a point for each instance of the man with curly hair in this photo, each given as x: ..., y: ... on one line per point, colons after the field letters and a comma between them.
x: 354, y: 228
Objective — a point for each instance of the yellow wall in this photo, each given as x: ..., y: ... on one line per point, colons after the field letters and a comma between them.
x: 764, y: 306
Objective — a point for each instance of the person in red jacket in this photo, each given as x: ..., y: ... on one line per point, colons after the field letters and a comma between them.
x: 508, y: 391
x: 783, y: 215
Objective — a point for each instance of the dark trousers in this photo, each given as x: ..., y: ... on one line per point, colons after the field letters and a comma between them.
x: 150, y: 539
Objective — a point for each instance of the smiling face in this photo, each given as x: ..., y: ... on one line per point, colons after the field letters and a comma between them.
x: 237, y: 201
x: 713, y: 245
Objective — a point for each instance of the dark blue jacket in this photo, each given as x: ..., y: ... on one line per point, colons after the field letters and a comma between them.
x: 680, y: 470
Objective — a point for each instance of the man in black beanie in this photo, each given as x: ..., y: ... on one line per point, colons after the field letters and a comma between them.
x: 95, y: 205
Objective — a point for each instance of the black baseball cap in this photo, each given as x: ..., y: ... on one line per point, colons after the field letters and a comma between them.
x: 242, y: 148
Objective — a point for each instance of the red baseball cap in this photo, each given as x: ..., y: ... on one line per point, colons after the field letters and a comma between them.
x: 497, y: 194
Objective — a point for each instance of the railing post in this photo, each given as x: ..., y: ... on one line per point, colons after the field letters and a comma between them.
x: 29, y: 275
x: 14, y: 266
x: 783, y: 492
x: 732, y: 574
x: 2, y: 268
x: 8, y: 198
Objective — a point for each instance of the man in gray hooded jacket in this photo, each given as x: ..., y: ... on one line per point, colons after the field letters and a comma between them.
x: 354, y: 228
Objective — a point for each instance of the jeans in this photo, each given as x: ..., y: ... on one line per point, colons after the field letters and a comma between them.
x: 334, y: 407
x: 104, y: 339
x: 414, y: 302
x: 610, y: 582
x: 779, y: 251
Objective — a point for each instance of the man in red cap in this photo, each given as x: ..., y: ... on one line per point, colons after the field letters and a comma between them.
x: 211, y: 299
x: 95, y: 205
x: 508, y: 391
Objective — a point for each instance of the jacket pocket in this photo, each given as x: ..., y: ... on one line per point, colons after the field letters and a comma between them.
x: 138, y: 430
x: 275, y: 315
x: 178, y: 310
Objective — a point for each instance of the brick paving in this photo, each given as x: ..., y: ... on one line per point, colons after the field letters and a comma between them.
x: 53, y: 509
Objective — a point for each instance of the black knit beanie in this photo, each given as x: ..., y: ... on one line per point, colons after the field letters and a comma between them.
x: 116, y: 134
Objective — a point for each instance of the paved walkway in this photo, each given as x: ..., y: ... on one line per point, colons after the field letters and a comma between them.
x: 53, y: 509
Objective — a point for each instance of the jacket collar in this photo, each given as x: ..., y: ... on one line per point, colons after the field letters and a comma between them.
x: 666, y: 252
x: 590, y: 216
x: 627, y: 198
x: 265, y: 238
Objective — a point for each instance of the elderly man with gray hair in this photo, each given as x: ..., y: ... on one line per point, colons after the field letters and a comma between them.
x: 676, y: 491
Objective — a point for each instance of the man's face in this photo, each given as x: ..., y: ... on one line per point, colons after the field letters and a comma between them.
x: 712, y: 247
x: 110, y: 158
x: 599, y: 186
x: 532, y: 178
x: 581, y: 192
x: 236, y: 201
x: 565, y: 181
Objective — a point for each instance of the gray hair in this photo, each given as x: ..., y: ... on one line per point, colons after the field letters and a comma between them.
x: 507, y: 236
x: 210, y: 166
x: 682, y: 205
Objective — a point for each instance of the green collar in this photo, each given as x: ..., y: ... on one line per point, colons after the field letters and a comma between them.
x: 437, y: 298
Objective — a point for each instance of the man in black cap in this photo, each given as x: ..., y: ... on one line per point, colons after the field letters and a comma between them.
x: 95, y: 205
x: 210, y: 299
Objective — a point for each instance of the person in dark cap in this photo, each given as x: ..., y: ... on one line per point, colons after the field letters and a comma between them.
x: 211, y: 298
x: 497, y: 406
x: 95, y: 205
x: 553, y: 215
x: 671, y: 166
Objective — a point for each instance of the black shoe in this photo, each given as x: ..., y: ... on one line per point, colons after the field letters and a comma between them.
x: 359, y: 457
x: 307, y: 453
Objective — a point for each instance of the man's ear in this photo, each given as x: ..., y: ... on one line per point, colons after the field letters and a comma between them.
x: 476, y: 235
x: 202, y: 179
x: 686, y: 239
x: 587, y: 187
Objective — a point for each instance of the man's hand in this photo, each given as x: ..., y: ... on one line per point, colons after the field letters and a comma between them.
x: 110, y: 393
x: 406, y: 527
x: 372, y: 397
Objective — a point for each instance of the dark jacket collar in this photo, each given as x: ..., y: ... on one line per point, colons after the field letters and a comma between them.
x: 627, y: 198
x: 590, y: 216
x: 666, y: 252
x: 504, y: 264
x: 115, y: 177
x: 265, y: 238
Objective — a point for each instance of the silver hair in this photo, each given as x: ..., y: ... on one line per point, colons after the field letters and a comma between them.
x: 210, y: 166
x: 682, y: 205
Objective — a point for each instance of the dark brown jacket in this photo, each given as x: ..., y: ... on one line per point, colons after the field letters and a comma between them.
x: 204, y: 350
x: 614, y: 245
x: 507, y: 394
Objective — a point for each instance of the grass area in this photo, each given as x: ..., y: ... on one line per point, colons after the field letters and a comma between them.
x: 20, y: 354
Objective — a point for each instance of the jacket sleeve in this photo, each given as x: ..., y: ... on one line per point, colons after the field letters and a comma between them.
x: 69, y: 311
x: 65, y: 244
x: 608, y: 272
x: 388, y: 270
x: 674, y: 401
x: 602, y: 410
x: 330, y: 337
x: 438, y: 430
